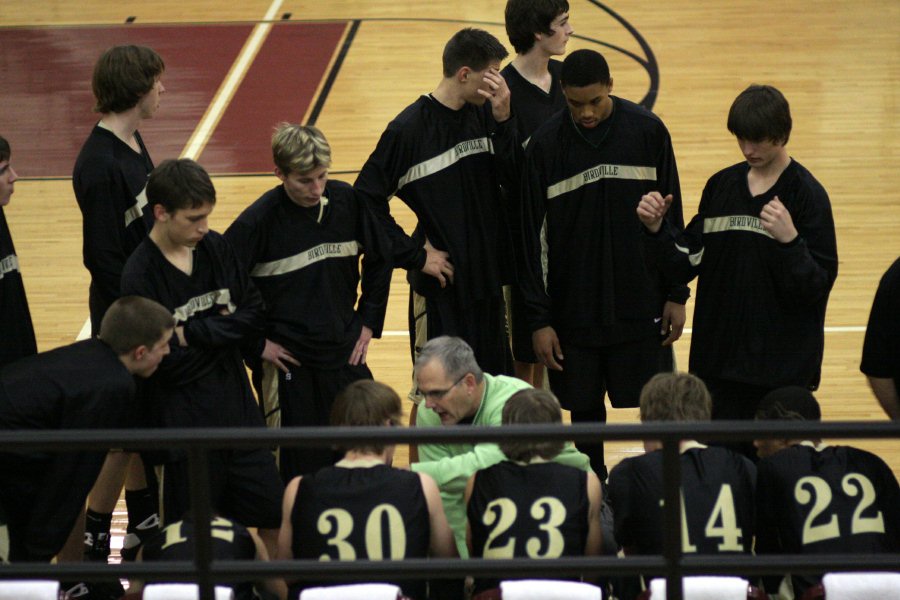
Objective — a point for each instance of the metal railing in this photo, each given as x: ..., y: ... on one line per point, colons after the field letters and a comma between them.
x: 673, y: 564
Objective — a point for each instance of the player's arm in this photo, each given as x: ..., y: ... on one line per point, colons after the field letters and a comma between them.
x: 286, y: 533
x: 102, y: 231
x: 470, y: 485
x: 275, y: 586
x: 885, y: 390
x: 593, y: 545
x: 375, y: 278
x: 441, y: 543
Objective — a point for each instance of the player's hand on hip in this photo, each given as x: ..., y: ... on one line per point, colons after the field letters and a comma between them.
x: 652, y: 208
x: 437, y: 264
x: 279, y: 356
x: 547, y: 348
x: 776, y: 219
x: 497, y: 94
x: 358, y: 356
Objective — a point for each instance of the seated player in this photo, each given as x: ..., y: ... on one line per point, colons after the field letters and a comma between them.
x: 86, y: 385
x: 527, y: 505
x: 362, y: 508
x: 717, y: 484
x: 230, y: 541
x: 818, y: 499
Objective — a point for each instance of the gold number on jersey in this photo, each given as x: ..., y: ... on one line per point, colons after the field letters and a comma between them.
x: 722, y: 523
x: 547, y: 511
x: 852, y: 484
x: 219, y: 527
x: 338, y: 524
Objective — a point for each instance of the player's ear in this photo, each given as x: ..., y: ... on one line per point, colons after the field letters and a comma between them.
x: 280, y: 174
x: 159, y: 212
x: 610, y: 84
x: 463, y: 74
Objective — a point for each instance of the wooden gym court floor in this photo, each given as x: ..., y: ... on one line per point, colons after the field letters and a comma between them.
x: 235, y: 69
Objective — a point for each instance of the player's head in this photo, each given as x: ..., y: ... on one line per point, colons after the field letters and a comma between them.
x: 529, y: 407
x: 675, y: 397
x: 789, y: 403
x: 760, y: 114
x: 449, y: 378
x: 544, y: 22
x: 125, y: 76
x: 182, y: 196
x: 473, y: 48
x: 302, y: 158
x: 8, y: 175
x: 587, y: 84
x: 138, y: 330
x: 367, y: 403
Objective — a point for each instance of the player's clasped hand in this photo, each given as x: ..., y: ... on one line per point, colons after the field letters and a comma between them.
x: 497, y: 93
x: 652, y: 208
x: 776, y: 220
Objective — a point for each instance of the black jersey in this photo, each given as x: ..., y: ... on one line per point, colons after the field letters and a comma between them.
x: 230, y: 541
x: 80, y: 386
x: 881, y: 349
x: 363, y: 513
x: 203, y: 384
x: 760, y: 311
x: 16, y: 328
x: 717, y: 499
x: 538, y: 511
x: 826, y: 500
x: 305, y: 263
x: 584, y: 267
x: 531, y: 105
x: 447, y: 166
x: 110, y: 181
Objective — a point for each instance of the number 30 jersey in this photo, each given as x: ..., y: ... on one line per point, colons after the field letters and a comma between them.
x: 374, y: 513
x: 825, y: 500
x: 539, y: 510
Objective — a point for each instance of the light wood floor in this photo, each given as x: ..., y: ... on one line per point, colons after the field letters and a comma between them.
x: 838, y: 63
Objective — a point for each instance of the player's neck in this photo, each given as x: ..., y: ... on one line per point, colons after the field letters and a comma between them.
x: 355, y: 458
x: 447, y: 94
x: 533, y: 67
x: 181, y: 256
x: 123, y: 125
x: 762, y: 178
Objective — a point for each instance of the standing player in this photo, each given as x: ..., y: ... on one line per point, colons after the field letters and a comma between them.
x: 444, y: 157
x: 109, y: 180
x: 86, y: 385
x: 597, y: 311
x: 15, y: 318
x: 881, y: 350
x: 763, y: 249
x: 717, y: 485
x: 362, y: 508
x: 538, y: 31
x: 301, y: 243
x: 819, y: 499
x: 194, y: 273
x: 528, y: 505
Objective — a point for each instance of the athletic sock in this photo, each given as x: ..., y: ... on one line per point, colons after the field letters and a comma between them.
x: 96, y: 535
x: 143, y: 520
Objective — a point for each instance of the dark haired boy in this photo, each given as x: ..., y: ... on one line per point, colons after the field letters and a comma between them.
x: 444, y: 156
x: 813, y: 498
x: 538, y: 30
x: 16, y: 328
x: 598, y: 312
x: 763, y: 249
x: 194, y: 273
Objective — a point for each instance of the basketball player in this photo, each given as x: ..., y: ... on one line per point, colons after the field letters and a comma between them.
x: 528, y: 505
x: 767, y: 221
x: 361, y: 508
x: 86, y: 385
x: 881, y: 350
x: 15, y: 318
x: 301, y: 243
x: 195, y: 274
x: 538, y: 31
x: 109, y: 179
x: 444, y: 156
x: 597, y: 310
x: 818, y: 499
x: 717, y: 484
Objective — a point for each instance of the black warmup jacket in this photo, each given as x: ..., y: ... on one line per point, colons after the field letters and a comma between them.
x: 203, y: 384
x: 760, y: 311
x: 584, y: 266
x: 110, y: 181
x: 308, y: 271
x: 80, y: 386
x: 16, y: 329
x: 447, y: 166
